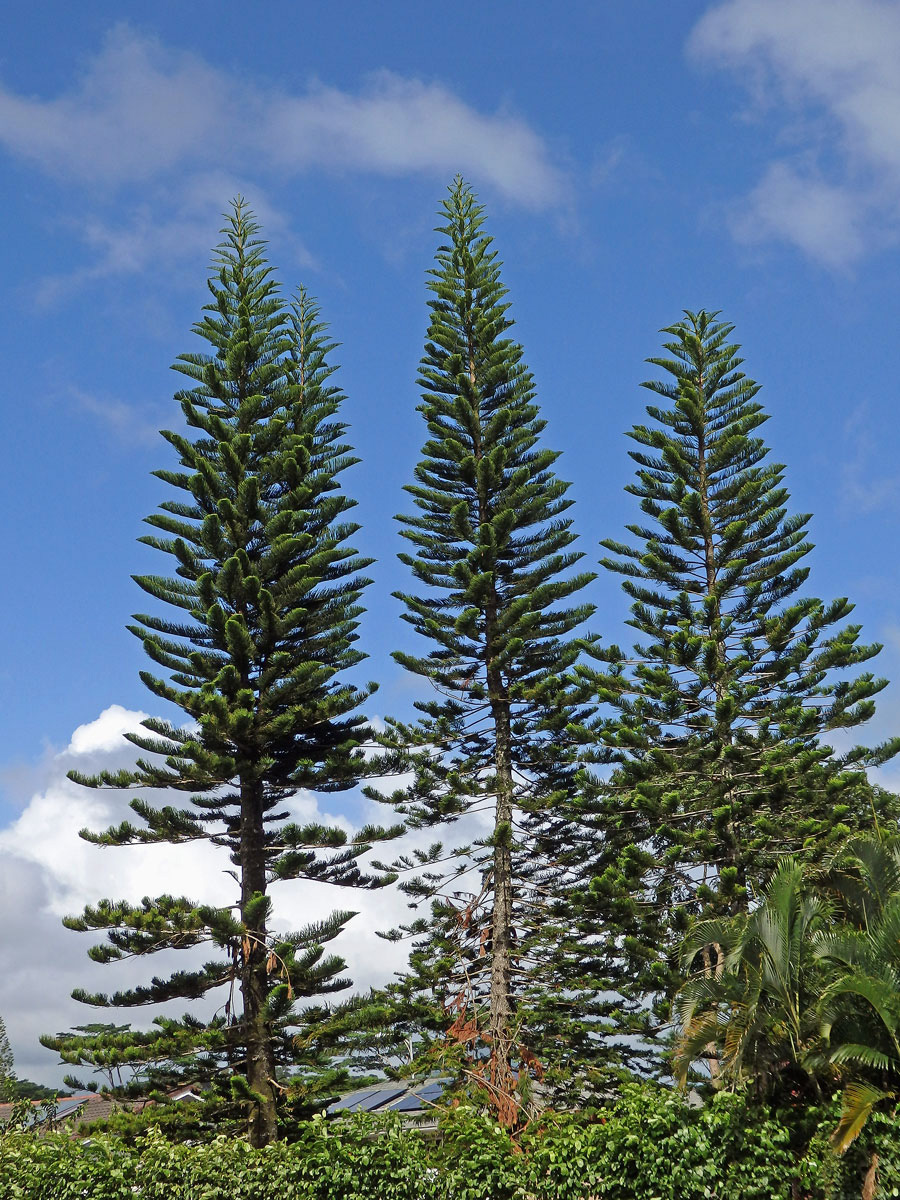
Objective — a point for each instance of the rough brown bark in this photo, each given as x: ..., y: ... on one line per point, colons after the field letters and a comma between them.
x: 501, y: 1010
x: 254, y: 981
x: 869, y: 1183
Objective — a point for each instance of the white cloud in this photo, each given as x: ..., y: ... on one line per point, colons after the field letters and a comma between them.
x: 47, y: 871
x: 838, y: 61
x: 139, y: 109
x: 824, y: 221
x: 106, y: 734
x: 400, y: 126
x: 142, y: 110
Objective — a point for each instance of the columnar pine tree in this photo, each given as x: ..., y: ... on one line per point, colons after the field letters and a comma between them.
x: 265, y: 588
x: 7, y: 1066
x: 722, y: 713
x: 492, y: 560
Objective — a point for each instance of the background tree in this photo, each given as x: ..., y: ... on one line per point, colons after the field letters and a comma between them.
x: 11, y: 1086
x: 718, y: 741
x: 266, y: 589
x: 7, y: 1066
x: 490, y: 554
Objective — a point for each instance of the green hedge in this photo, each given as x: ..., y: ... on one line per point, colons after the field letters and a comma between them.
x: 648, y: 1146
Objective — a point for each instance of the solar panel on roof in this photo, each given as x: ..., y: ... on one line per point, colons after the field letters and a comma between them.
x: 382, y: 1097
x: 423, y: 1097
x: 407, y: 1104
x: 66, y: 1108
x: 349, y: 1101
x: 367, y: 1099
x: 432, y: 1091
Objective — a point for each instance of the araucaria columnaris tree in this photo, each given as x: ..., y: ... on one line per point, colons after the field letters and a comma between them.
x: 7, y: 1065
x: 492, y: 560
x: 722, y: 714
x: 265, y: 593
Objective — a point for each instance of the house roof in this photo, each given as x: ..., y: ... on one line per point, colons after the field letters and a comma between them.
x: 80, y: 1108
x: 86, y: 1107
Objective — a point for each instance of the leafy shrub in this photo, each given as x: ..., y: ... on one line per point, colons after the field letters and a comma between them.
x: 647, y: 1145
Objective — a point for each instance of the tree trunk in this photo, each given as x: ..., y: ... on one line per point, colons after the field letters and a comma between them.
x: 726, y: 733
x: 711, y: 968
x: 501, y: 1008
x: 254, y: 980
x: 500, y: 1020
x: 868, y: 1191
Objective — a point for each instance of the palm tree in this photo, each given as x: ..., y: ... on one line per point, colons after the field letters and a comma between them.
x: 803, y: 993
x: 860, y: 1007
x: 750, y: 1009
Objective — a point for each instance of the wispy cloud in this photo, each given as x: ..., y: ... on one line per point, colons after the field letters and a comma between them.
x: 164, y: 233
x: 618, y: 162
x: 824, y: 220
x: 402, y: 126
x: 837, y: 61
x: 142, y: 110
x: 126, y: 422
x: 139, y: 109
x: 864, y: 488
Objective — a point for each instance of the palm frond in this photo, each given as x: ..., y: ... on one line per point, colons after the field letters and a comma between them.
x: 864, y: 1056
x: 857, y: 1102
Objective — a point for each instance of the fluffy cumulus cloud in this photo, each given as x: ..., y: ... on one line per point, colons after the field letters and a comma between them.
x: 47, y: 871
x: 169, y: 134
x: 829, y: 72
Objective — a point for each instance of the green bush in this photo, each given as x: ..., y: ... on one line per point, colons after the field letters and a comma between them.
x: 648, y: 1145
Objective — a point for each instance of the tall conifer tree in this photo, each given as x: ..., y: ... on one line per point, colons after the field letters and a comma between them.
x: 7, y: 1066
x: 266, y: 589
x: 722, y: 713
x: 491, y: 555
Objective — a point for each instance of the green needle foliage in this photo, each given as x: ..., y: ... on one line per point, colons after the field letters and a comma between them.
x: 265, y: 589
x: 490, y: 553
x: 719, y: 740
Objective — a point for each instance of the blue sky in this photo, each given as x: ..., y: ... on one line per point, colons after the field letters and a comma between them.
x: 635, y: 160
